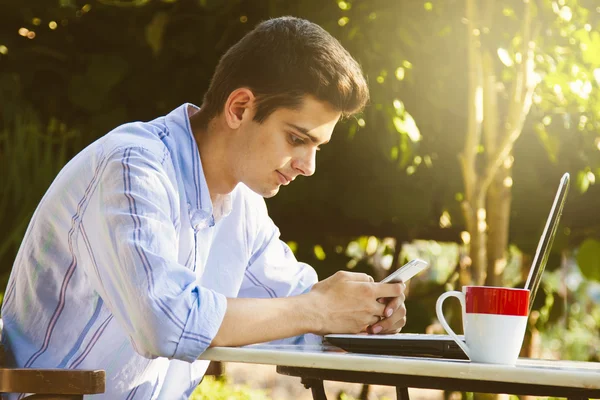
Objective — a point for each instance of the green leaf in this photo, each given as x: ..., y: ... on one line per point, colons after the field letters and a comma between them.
x: 67, y: 3
x: 583, y: 183
x: 551, y: 143
x: 155, y: 30
x: 556, y: 311
x: 445, y: 31
x: 319, y: 252
x: 591, y: 42
x: 407, y: 126
x: 588, y: 259
x: 124, y: 3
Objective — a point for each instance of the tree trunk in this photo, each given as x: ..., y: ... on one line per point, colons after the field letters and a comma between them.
x: 478, y: 245
x: 488, y: 189
x: 498, y: 205
x: 474, y: 202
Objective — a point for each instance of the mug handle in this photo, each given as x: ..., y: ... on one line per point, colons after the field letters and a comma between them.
x: 438, y: 310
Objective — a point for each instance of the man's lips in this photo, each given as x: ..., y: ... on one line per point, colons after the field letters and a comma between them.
x: 283, y: 179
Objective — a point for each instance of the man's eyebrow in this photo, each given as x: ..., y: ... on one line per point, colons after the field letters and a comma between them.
x: 304, y: 131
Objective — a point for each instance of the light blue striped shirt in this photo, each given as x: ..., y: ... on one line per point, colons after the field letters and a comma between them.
x: 126, y: 266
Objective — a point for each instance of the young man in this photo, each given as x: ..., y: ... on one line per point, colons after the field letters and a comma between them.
x: 154, y: 243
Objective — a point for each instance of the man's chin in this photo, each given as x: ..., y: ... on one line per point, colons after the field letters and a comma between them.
x: 265, y: 192
x: 268, y: 194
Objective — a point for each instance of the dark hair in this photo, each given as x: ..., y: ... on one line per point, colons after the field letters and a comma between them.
x: 281, y: 60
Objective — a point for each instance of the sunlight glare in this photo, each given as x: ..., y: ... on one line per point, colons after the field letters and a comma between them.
x: 505, y: 57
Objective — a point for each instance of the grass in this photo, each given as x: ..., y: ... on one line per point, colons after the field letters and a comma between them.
x: 219, y: 388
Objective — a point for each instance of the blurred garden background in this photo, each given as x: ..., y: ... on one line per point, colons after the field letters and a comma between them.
x: 477, y: 109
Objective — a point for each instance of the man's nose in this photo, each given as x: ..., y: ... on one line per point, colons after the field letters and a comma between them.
x: 306, y: 165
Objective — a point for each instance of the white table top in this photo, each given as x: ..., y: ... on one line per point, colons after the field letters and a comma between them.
x: 529, y: 371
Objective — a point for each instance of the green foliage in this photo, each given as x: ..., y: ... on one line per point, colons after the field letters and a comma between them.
x: 391, y: 172
x: 31, y: 154
x: 346, y: 396
x: 219, y: 388
x: 569, y: 321
x: 588, y: 258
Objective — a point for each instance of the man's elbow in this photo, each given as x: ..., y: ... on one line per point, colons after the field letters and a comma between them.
x: 152, y: 346
x: 151, y: 337
x: 218, y: 341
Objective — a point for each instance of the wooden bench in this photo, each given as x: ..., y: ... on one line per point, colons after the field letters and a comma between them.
x: 50, y: 384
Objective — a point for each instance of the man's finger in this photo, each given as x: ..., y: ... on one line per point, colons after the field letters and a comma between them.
x: 356, y: 276
x: 387, y: 326
x: 393, y: 305
x: 373, y: 321
x: 394, y: 317
x: 393, y: 330
x: 389, y: 289
x: 397, y: 327
x: 378, y: 310
x: 397, y: 322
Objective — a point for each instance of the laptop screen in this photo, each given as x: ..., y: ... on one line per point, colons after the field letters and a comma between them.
x: 545, y: 243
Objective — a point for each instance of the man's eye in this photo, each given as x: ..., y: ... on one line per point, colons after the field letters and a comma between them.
x: 295, y: 140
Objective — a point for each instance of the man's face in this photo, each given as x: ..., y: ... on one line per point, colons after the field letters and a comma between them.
x: 284, y: 145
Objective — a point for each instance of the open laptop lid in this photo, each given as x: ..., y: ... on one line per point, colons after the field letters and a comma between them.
x: 545, y: 243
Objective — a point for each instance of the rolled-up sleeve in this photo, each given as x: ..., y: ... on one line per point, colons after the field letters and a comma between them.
x: 273, y: 270
x: 132, y: 239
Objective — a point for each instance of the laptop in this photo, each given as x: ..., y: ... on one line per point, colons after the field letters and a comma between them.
x: 443, y: 346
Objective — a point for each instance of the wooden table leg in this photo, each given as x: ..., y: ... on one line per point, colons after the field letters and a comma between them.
x: 402, y: 393
x: 316, y: 387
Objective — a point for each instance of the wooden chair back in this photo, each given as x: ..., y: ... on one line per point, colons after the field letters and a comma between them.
x: 49, y: 384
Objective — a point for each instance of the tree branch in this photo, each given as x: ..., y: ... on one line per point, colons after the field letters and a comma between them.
x: 490, y: 104
x: 523, y: 88
x: 473, y: 136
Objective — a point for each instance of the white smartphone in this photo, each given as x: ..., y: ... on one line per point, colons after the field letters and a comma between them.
x: 407, y: 271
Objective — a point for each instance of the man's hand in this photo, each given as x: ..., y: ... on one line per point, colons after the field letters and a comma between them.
x: 395, y: 315
x: 347, y: 302
x: 344, y: 303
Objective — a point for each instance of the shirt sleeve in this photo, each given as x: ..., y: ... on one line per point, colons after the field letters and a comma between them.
x: 273, y: 271
x: 132, y: 241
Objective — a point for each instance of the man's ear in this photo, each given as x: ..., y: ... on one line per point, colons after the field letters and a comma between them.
x: 238, y: 107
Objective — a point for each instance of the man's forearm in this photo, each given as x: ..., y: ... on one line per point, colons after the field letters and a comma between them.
x: 249, y: 320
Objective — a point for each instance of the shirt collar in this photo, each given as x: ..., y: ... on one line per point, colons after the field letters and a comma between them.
x: 196, y: 189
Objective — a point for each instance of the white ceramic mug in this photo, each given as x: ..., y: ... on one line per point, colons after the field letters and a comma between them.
x: 494, y: 322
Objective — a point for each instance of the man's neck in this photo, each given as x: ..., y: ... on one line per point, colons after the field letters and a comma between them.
x: 216, y: 157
